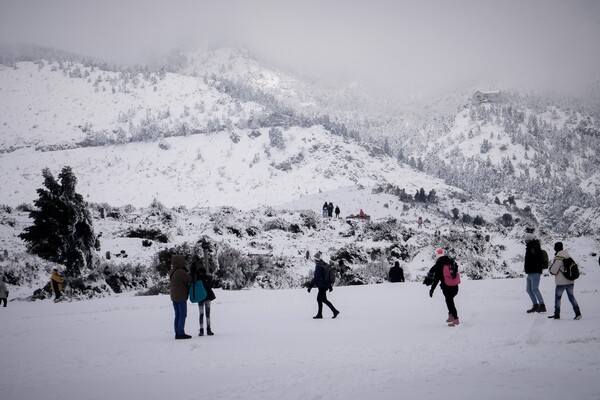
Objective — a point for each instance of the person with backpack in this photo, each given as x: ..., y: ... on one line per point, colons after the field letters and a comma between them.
x: 445, y: 272
x: 535, y: 263
x: 179, y: 281
x: 323, y: 280
x: 199, y: 274
x: 563, y: 280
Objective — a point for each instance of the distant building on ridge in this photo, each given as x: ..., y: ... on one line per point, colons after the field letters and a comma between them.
x: 484, y: 97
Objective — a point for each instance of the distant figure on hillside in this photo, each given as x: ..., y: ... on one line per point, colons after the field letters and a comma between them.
x: 56, y: 283
x: 323, y: 281
x: 204, y: 306
x: 396, y: 273
x: 534, y: 266
x: 361, y: 213
x: 3, y: 292
x: 330, y: 210
x: 337, y: 212
x: 420, y: 222
x: 445, y: 271
x: 179, y: 280
x: 562, y: 282
x: 325, y: 209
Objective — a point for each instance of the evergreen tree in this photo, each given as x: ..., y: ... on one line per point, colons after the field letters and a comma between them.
x: 62, y: 228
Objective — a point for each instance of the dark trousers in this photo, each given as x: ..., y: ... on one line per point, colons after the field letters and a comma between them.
x: 56, y: 290
x: 449, y: 293
x: 3, y: 300
x: 322, y: 298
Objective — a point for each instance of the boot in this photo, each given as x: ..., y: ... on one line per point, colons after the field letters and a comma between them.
x: 454, y: 322
x: 208, y: 331
x: 577, y: 315
x: 533, y: 309
x: 318, y: 316
x: 555, y: 316
x: 450, y: 318
x: 335, y: 313
x: 542, y: 308
x: 201, y: 332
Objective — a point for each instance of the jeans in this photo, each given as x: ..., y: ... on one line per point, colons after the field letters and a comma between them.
x: 558, y: 294
x: 180, y: 308
x: 204, y: 307
x: 533, y: 288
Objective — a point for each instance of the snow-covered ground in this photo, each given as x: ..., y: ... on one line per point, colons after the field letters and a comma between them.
x: 390, y: 341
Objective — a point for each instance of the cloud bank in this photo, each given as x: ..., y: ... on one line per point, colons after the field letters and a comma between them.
x: 402, y: 46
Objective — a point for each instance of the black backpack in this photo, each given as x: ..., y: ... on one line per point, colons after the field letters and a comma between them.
x: 545, y: 260
x: 329, y: 274
x: 570, y: 269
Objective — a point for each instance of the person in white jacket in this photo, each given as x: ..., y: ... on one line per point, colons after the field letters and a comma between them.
x: 562, y: 283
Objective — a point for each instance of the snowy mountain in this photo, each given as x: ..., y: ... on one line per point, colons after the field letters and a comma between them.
x: 218, y: 145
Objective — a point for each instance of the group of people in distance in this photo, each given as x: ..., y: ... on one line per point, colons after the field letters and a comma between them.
x: 328, y: 210
x: 536, y: 261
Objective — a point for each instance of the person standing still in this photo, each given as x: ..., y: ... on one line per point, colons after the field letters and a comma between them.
x: 562, y: 283
x: 3, y: 292
x: 56, y: 283
x: 179, y: 286
x: 534, y: 265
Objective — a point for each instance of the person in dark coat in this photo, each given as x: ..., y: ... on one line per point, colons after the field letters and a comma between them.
x: 179, y: 286
x: 337, y: 212
x: 325, y: 209
x: 449, y: 292
x: 534, y: 266
x: 204, y: 306
x: 322, y: 285
x: 396, y: 273
x: 330, y: 210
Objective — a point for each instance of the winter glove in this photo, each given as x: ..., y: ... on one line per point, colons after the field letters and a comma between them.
x: 431, y: 292
x: 309, y: 289
x: 330, y: 289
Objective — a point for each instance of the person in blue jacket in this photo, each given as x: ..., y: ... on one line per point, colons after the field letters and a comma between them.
x: 322, y: 284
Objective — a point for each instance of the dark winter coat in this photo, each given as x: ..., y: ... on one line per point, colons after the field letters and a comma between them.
x: 396, y: 274
x: 179, y: 281
x: 319, y: 275
x: 534, y: 260
x: 438, y: 276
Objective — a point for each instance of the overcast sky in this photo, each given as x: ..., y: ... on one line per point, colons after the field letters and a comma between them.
x: 404, y: 45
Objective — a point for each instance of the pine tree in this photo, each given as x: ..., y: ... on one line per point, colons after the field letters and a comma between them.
x: 62, y: 228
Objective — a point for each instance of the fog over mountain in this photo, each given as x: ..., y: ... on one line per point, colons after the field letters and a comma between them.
x: 399, y: 48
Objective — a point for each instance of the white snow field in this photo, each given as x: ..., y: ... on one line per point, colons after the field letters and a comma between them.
x: 389, y: 342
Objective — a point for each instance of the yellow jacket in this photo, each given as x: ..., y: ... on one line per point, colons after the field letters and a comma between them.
x: 58, y: 279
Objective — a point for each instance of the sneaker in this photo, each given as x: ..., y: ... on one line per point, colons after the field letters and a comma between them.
x: 577, y: 316
x: 318, y: 317
x: 336, y: 313
x: 555, y: 316
x: 541, y: 308
x: 533, y: 309
x: 201, y: 332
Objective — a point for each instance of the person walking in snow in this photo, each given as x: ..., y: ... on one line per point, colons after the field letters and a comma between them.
x: 322, y: 283
x: 445, y: 272
x: 562, y: 283
x: 204, y: 306
x: 325, y: 210
x: 179, y: 280
x: 3, y: 292
x: 396, y: 273
x: 337, y: 212
x: 56, y: 284
x: 534, y: 265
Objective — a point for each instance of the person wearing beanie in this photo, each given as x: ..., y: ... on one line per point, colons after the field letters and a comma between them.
x: 179, y: 284
x: 534, y: 265
x: 322, y: 283
x: 562, y: 283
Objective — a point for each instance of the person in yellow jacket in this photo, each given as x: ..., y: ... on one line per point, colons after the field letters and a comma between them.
x: 56, y: 282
